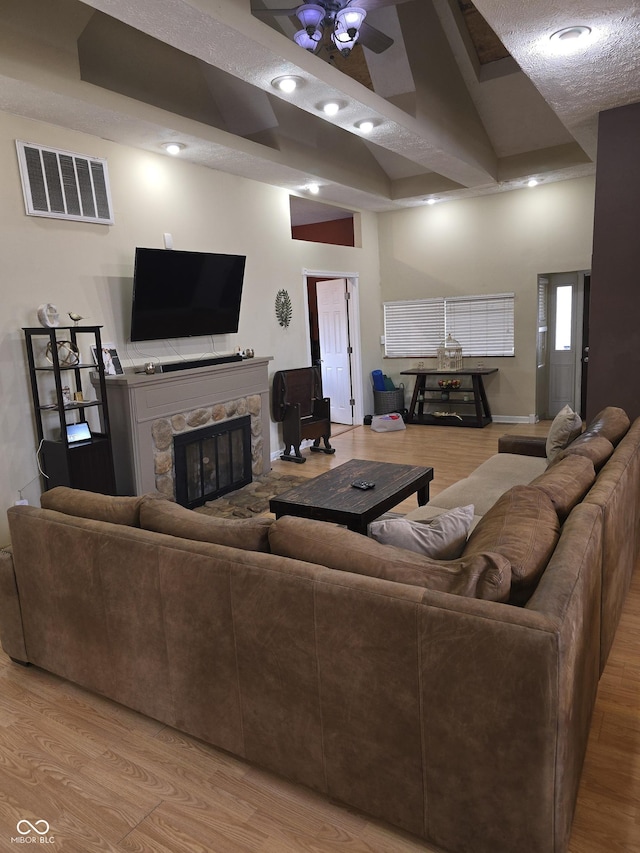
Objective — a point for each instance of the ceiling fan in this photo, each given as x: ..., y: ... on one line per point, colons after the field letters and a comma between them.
x: 342, y: 19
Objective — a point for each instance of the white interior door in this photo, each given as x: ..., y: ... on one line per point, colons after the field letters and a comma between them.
x: 333, y: 331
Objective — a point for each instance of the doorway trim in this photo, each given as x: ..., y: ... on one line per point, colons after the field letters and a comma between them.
x: 353, y: 313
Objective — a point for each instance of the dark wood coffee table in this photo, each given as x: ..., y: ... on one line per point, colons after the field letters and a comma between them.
x: 331, y: 497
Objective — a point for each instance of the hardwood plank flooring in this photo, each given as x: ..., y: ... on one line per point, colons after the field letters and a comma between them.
x: 108, y: 779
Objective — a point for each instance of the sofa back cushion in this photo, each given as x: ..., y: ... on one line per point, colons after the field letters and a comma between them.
x: 486, y: 576
x: 77, y: 502
x: 566, y: 482
x: 523, y: 527
x: 612, y: 423
x: 566, y: 426
x: 597, y: 448
x: 164, y: 516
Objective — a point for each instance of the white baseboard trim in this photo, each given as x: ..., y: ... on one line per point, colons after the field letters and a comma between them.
x: 514, y: 419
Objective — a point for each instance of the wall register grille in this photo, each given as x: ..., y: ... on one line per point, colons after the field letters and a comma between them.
x: 64, y: 185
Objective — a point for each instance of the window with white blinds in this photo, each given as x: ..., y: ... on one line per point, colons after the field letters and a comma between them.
x: 413, y: 327
x: 484, y: 325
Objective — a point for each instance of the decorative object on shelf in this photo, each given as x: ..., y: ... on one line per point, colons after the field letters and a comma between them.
x: 150, y: 367
x: 75, y: 317
x: 447, y: 415
x: 66, y: 396
x: 450, y: 354
x: 450, y: 384
x: 110, y: 359
x: 249, y: 353
x: 48, y: 316
x: 283, y: 308
x: 68, y: 353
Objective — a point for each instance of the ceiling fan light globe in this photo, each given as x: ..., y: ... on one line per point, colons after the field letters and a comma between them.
x: 344, y: 44
x: 342, y: 37
x: 310, y: 16
x: 306, y: 40
x: 351, y: 17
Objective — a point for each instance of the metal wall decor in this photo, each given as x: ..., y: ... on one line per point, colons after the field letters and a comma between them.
x: 283, y: 308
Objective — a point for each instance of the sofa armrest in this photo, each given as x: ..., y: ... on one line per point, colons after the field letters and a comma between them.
x: 11, y: 636
x: 525, y: 445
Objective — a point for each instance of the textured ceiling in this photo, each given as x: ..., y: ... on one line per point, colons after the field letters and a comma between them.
x: 447, y: 124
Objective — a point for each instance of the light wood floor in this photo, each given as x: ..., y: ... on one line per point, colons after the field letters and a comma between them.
x: 107, y: 779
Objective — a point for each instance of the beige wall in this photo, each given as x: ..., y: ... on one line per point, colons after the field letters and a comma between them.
x: 492, y: 244
x: 88, y: 268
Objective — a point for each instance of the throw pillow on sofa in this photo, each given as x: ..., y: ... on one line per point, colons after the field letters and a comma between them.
x: 77, y: 502
x: 164, y: 516
x: 566, y: 426
x: 486, y: 576
x: 523, y: 526
x: 442, y: 538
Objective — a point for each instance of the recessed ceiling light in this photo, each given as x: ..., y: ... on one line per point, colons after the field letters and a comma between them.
x: 533, y: 182
x: 173, y: 148
x: 433, y: 200
x: 569, y: 39
x: 314, y: 189
x: 331, y: 108
x: 288, y: 83
x: 366, y: 125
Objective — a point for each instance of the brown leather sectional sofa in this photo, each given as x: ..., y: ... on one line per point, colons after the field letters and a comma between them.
x: 323, y: 656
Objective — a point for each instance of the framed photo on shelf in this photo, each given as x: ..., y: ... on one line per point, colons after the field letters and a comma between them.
x: 110, y: 359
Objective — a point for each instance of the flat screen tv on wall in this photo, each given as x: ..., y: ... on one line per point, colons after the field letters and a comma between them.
x: 180, y: 294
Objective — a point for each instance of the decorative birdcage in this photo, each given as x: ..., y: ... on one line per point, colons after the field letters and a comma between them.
x: 450, y: 354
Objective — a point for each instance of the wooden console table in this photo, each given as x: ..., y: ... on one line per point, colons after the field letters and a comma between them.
x: 472, y: 399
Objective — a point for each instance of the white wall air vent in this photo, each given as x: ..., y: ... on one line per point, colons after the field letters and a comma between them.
x: 64, y: 185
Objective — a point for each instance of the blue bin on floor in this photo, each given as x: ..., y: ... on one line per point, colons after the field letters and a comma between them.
x: 378, y: 380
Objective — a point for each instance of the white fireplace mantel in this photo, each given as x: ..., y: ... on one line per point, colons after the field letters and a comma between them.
x: 137, y: 400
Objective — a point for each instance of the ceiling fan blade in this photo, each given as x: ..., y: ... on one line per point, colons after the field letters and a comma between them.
x: 370, y: 5
x: 374, y: 39
x: 267, y: 13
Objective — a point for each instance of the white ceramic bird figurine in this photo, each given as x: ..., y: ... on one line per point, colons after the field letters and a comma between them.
x: 75, y: 317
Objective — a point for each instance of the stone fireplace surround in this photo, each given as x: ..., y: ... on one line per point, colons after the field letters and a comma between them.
x: 147, y: 411
x: 164, y: 430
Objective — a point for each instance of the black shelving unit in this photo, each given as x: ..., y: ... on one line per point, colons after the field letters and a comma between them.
x: 466, y: 406
x: 86, y: 464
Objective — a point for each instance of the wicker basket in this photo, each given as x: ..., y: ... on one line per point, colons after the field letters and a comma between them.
x: 388, y: 401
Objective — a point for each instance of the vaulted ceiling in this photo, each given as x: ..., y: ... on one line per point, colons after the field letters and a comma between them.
x: 469, y: 99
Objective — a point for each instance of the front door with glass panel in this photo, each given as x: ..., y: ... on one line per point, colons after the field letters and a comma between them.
x: 564, y: 342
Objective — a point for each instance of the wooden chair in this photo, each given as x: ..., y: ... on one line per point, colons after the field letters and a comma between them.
x: 298, y: 404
